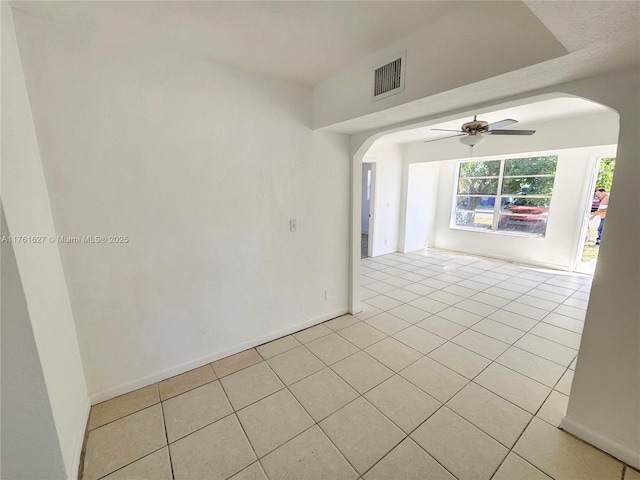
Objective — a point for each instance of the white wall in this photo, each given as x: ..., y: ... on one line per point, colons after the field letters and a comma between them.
x: 422, y: 201
x: 30, y: 446
x: 387, y: 197
x: 202, y: 167
x: 28, y: 212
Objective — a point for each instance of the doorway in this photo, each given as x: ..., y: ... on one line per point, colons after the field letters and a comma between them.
x: 366, y: 228
x: 588, y: 250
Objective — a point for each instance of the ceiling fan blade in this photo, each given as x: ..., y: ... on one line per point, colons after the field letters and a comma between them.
x: 446, y: 130
x: 442, y: 138
x: 510, y: 132
x: 502, y: 123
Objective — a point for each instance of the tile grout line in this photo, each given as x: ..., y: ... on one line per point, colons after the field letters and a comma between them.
x: 132, y: 462
x: 234, y: 412
x: 166, y: 434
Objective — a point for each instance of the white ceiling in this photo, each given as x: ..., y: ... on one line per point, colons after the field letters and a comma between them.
x: 300, y: 41
x: 308, y: 41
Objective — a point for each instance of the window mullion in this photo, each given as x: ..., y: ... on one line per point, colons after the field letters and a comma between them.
x: 529, y: 176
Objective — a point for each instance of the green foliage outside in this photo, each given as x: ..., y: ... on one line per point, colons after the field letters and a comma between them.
x: 605, y: 173
x: 531, y: 166
x: 513, y: 167
x: 605, y: 177
x: 489, y: 168
x: 528, y: 186
x: 472, y: 173
x: 518, y: 181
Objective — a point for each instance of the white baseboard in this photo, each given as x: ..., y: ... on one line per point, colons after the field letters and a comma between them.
x: 104, y: 395
x: 522, y: 263
x: 607, y: 445
x: 77, y: 451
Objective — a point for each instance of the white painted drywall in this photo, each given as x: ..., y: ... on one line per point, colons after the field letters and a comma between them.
x: 452, y: 63
x: 28, y: 212
x: 29, y: 442
x: 386, y: 208
x: 202, y: 167
x: 422, y: 199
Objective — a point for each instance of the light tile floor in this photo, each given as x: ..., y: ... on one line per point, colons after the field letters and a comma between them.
x: 458, y: 367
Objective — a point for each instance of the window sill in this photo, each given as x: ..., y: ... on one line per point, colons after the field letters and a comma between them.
x: 494, y: 232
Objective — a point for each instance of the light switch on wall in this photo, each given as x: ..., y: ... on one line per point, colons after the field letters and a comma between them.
x: 292, y: 225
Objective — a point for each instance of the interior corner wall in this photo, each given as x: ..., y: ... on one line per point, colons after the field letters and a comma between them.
x: 28, y: 213
x: 386, y: 197
x: 30, y: 447
x: 195, y: 169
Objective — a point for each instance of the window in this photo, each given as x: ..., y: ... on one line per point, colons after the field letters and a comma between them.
x: 509, y: 195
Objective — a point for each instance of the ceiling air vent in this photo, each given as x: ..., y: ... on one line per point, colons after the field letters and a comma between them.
x: 388, y: 79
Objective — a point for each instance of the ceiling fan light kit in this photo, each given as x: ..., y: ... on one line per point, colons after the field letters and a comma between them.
x: 472, y: 140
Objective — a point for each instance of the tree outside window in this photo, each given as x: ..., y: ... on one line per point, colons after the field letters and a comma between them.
x: 605, y: 173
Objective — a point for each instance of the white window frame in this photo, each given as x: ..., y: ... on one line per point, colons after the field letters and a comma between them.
x: 498, y: 196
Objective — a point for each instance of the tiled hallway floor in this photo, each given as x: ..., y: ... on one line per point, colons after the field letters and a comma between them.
x: 458, y: 367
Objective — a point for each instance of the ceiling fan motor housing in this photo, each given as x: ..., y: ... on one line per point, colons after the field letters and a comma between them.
x: 476, y: 126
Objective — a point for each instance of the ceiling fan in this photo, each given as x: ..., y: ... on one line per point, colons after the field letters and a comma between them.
x: 473, y: 133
